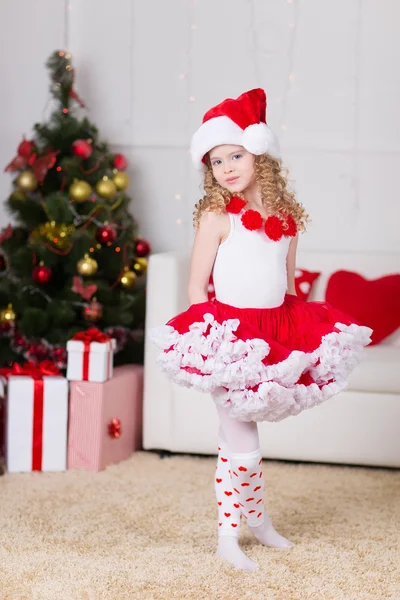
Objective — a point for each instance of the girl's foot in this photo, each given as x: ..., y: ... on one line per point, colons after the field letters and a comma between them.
x: 266, y: 534
x: 229, y: 550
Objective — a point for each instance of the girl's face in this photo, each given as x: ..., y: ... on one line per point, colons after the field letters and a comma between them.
x: 232, y: 167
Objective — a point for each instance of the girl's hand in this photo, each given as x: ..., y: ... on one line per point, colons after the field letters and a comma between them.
x: 291, y: 265
x: 211, y: 230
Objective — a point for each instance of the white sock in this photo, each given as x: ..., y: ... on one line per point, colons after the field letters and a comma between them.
x: 248, y: 486
x: 229, y: 550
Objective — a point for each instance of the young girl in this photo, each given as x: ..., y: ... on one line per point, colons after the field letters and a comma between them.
x: 261, y: 352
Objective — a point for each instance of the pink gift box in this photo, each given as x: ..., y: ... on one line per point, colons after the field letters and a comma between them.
x: 105, y: 419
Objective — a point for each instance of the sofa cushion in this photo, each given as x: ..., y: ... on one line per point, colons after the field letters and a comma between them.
x: 371, y: 302
x: 378, y: 372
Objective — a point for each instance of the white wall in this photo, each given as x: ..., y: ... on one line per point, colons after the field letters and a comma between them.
x: 330, y: 70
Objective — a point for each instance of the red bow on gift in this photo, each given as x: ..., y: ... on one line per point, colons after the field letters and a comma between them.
x: 32, y: 369
x: 92, y: 335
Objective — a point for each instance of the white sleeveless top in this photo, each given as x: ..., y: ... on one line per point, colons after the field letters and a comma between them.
x: 250, y: 268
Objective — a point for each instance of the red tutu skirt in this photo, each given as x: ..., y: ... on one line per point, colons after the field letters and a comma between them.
x: 265, y: 364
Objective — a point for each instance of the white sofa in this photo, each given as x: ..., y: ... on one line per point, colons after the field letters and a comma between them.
x: 360, y: 426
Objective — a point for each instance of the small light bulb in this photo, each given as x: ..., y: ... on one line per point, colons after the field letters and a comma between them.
x: 65, y: 111
x: 291, y: 77
x: 179, y: 221
x: 192, y: 98
x: 284, y: 127
x: 193, y: 26
x: 178, y: 196
x: 291, y: 25
x: 182, y: 75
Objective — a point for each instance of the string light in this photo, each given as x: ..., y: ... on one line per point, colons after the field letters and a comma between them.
x: 178, y: 196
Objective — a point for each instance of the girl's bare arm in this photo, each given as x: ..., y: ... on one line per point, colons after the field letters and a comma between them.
x: 208, y: 237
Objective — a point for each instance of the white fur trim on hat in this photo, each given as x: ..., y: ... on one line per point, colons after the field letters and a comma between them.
x: 257, y: 139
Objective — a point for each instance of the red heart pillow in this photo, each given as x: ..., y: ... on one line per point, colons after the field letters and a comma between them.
x: 303, y: 282
x: 374, y: 303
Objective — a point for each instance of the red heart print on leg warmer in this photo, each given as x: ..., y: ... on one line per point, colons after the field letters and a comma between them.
x: 247, y: 467
x: 229, y: 511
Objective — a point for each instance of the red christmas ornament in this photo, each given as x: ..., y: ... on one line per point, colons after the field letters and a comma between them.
x: 120, y: 162
x: 274, y: 228
x: 41, y: 274
x: 235, y: 205
x: 93, y: 312
x: 106, y: 234
x: 252, y: 220
x: 142, y: 248
x: 25, y: 148
x: 82, y: 148
x: 114, y: 428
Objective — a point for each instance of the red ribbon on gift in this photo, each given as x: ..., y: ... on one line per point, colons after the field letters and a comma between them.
x: 37, y: 371
x: 87, y: 337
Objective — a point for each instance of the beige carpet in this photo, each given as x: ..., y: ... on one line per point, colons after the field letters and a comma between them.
x: 146, y: 529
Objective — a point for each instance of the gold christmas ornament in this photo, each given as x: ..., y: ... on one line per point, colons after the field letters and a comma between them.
x: 57, y: 234
x: 121, y: 180
x: 7, y: 315
x: 87, y: 266
x: 18, y: 195
x: 140, y: 266
x: 106, y: 188
x: 26, y: 181
x: 80, y: 191
x: 128, y: 278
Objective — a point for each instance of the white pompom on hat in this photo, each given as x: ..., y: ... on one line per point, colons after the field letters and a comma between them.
x: 240, y: 121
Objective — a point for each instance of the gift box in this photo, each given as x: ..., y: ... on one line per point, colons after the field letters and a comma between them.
x: 105, y: 419
x: 90, y: 356
x: 36, y: 418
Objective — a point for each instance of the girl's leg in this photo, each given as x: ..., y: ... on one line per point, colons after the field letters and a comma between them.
x: 247, y: 477
x: 229, y: 512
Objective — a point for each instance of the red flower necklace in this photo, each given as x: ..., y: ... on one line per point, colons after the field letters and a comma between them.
x: 275, y: 226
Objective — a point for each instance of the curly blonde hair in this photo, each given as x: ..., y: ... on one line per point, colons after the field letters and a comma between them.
x: 273, y: 182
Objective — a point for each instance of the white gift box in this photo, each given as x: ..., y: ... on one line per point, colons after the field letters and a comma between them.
x: 37, y: 424
x: 94, y: 365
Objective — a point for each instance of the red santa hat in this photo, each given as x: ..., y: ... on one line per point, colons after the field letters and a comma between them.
x: 240, y: 121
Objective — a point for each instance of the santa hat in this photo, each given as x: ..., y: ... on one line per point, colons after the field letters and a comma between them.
x: 240, y: 121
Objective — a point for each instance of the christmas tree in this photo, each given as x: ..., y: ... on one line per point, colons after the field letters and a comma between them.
x: 73, y: 258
